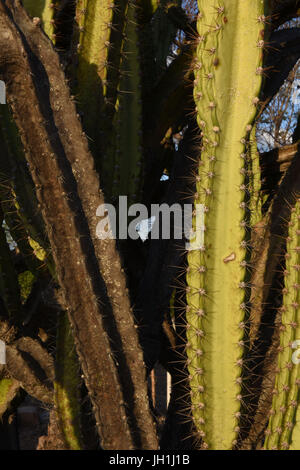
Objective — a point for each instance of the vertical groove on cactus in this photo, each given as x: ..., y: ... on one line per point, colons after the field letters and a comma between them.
x: 227, y: 83
x: 67, y: 385
x: 282, y: 422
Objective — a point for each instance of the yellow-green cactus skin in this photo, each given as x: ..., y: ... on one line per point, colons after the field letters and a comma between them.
x: 94, y: 18
x: 67, y: 385
x: 99, y: 39
x: 283, y: 432
x: 228, y: 75
x: 108, y: 64
x: 127, y: 147
x: 8, y: 390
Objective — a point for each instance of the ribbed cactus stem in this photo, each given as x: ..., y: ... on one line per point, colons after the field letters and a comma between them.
x: 283, y: 427
x: 9, y: 286
x: 128, y: 149
x: 228, y: 73
x: 255, y: 199
x: 67, y: 385
x: 99, y: 43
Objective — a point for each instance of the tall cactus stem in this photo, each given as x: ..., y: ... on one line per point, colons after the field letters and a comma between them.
x: 8, y: 391
x: 228, y: 73
x: 45, y: 10
x: 255, y: 200
x: 67, y: 385
x: 283, y: 426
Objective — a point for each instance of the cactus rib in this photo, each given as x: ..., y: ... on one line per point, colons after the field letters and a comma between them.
x: 282, y: 431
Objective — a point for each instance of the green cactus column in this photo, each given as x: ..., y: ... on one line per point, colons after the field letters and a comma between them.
x: 283, y: 430
x: 126, y: 144
x: 99, y: 39
x: 67, y: 385
x: 228, y: 74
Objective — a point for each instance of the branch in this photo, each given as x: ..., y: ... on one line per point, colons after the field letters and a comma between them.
x: 31, y: 365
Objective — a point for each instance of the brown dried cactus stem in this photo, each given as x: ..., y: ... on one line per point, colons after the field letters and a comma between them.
x: 69, y: 194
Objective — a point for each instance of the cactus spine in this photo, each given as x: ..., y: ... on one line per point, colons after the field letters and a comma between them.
x: 283, y: 428
x: 228, y: 74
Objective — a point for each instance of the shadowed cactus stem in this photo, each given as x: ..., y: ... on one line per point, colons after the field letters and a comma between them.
x: 283, y: 430
x: 127, y: 149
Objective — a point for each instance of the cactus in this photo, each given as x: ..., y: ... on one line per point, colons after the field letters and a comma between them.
x: 67, y: 384
x: 118, y: 115
x: 8, y: 391
x: 226, y: 90
x: 254, y: 177
x: 9, y: 286
x: 99, y: 40
x: 108, y: 62
x: 71, y: 168
x: 45, y: 10
x: 283, y: 428
x: 18, y: 197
